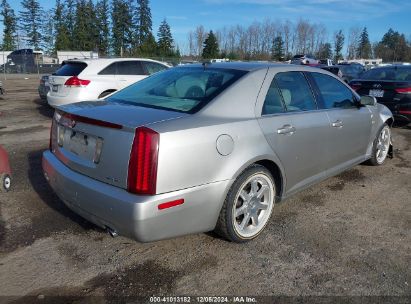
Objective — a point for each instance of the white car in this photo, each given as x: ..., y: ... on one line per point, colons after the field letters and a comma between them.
x: 88, y: 79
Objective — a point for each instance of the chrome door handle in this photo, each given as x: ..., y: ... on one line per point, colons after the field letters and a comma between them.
x: 286, y: 129
x: 337, y: 124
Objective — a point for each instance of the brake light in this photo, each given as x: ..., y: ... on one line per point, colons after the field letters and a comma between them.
x: 403, y: 90
x: 142, y: 167
x: 74, y: 81
x: 405, y: 112
x: 355, y: 86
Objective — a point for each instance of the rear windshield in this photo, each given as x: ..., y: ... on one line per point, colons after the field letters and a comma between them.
x: 70, y: 69
x: 392, y: 73
x: 184, y: 89
x: 351, y: 69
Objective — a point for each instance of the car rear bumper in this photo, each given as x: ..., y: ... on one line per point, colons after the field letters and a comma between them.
x: 132, y: 215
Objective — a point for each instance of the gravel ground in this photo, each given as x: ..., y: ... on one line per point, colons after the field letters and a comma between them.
x: 348, y: 236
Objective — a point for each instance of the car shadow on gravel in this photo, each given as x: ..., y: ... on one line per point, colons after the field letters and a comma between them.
x: 43, y: 107
x: 53, y: 219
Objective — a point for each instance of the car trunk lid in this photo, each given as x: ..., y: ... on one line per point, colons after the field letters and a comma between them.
x: 387, y: 92
x: 68, y: 70
x: 95, y: 138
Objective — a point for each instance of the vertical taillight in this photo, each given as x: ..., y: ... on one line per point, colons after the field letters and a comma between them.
x: 142, y: 167
x: 53, y: 132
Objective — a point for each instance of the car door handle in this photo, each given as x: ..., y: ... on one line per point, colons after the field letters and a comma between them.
x: 286, y: 129
x: 337, y: 124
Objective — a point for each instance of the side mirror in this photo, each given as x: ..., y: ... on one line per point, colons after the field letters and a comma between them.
x: 368, y: 100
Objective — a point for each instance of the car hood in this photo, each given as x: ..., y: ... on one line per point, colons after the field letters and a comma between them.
x: 119, y: 113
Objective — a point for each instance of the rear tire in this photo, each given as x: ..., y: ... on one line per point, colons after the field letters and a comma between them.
x: 5, y: 181
x: 381, y: 146
x: 248, y: 206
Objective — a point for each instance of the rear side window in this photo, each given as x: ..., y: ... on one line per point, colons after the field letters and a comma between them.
x: 273, y: 103
x: 152, y: 67
x: 71, y: 69
x: 296, y: 92
x: 130, y: 68
x: 334, y: 94
x: 109, y: 70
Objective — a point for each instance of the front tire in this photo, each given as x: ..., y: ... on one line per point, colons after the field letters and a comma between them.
x: 381, y: 146
x: 5, y: 181
x: 248, y: 206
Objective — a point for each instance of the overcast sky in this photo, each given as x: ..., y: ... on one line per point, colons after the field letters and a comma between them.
x: 184, y: 15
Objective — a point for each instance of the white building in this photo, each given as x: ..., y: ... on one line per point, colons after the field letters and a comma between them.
x: 377, y: 61
x: 65, y: 55
x: 3, y: 56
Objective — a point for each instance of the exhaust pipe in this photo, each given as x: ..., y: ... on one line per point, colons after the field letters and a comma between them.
x: 112, y: 232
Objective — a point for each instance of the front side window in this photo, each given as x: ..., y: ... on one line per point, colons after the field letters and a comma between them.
x: 296, y: 92
x: 153, y: 67
x: 180, y: 89
x: 273, y: 103
x: 334, y: 94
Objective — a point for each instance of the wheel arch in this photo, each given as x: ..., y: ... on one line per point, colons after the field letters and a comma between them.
x: 271, y: 165
x: 106, y: 92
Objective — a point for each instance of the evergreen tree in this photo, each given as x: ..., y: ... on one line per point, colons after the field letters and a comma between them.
x: 338, y: 45
x: 121, y: 27
x: 85, y: 27
x: 70, y: 20
x: 165, y: 40
x: 277, y: 52
x: 393, y: 47
x: 102, y: 11
x: 9, y: 26
x: 149, y: 46
x: 325, y: 51
x: 364, y: 46
x: 210, y: 49
x: 48, y: 32
x: 143, y: 23
x: 31, y: 20
x: 62, y: 36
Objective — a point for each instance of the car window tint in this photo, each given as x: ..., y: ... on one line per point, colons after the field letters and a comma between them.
x: 71, y: 69
x: 296, y: 92
x: 334, y: 93
x: 273, y: 102
x: 109, y: 70
x: 129, y: 68
x: 153, y: 67
x: 389, y: 73
x: 180, y: 89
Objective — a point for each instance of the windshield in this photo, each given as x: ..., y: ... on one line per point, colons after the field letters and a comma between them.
x: 392, y: 73
x: 184, y: 89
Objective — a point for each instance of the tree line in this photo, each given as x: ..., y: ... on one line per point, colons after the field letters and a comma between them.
x: 116, y: 27
x: 125, y: 28
x: 276, y: 40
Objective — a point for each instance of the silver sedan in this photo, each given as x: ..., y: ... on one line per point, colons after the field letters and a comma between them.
x: 209, y: 147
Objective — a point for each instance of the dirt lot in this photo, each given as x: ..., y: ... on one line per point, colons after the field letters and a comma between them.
x: 348, y: 236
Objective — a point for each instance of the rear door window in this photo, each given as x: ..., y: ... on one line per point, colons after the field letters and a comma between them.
x: 130, y: 68
x: 296, y: 91
x: 71, y: 69
x: 333, y: 93
x: 273, y: 103
x: 153, y: 67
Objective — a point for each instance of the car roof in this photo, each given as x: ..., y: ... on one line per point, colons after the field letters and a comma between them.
x: 108, y: 60
x: 237, y: 65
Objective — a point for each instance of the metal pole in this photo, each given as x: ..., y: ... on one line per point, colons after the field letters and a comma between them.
x: 4, y: 67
